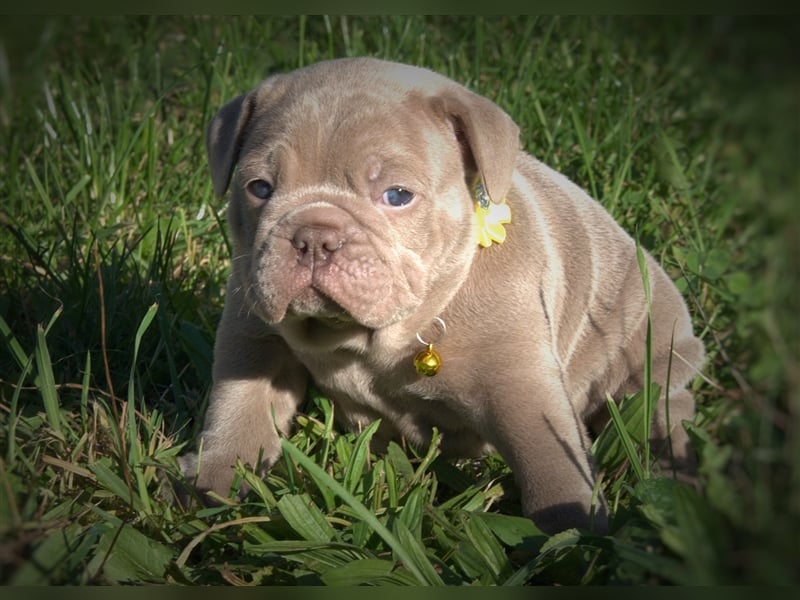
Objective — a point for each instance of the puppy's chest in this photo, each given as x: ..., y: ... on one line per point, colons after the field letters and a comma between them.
x: 395, y: 387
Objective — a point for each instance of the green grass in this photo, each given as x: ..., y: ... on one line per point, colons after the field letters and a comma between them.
x: 114, y: 255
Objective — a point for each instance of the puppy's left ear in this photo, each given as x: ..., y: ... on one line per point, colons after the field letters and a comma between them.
x: 488, y: 134
x: 224, y: 139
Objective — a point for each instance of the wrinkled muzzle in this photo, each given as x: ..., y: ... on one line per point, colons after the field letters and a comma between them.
x: 320, y: 262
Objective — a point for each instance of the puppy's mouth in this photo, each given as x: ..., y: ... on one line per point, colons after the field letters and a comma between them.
x: 334, y: 322
x: 314, y: 321
x: 318, y: 310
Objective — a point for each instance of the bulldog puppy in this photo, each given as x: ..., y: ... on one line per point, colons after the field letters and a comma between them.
x: 392, y: 244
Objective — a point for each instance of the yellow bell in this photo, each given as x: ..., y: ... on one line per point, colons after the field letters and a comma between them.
x: 428, y: 362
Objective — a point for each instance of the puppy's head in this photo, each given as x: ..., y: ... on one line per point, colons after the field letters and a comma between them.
x: 350, y: 189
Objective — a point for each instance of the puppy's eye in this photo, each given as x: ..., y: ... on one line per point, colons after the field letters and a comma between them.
x: 260, y: 189
x: 397, y: 197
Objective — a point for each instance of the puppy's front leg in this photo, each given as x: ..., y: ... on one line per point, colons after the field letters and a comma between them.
x: 258, y: 385
x: 546, y: 447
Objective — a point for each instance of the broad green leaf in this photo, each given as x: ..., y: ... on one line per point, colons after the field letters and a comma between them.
x: 343, y: 450
x: 664, y: 566
x: 487, y: 546
x: 564, y: 540
x: 510, y: 529
x: 128, y: 555
x: 451, y: 476
x: 669, y: 165
x: 258, y: 487
x: 358, y: 572
x: 295, y: 546
x: 699, y: 536
x: 413, y: 548
x: 317, y: 557
x: 353, y: 473
x: 413, y: 505
x: 739, y: 282
x: 399, y: 460
x: 113, y: 483
x: 59, y: 555
x: 746, y: 290
x: 468, y: 560
x: 361, y: 533
x: 305, y: 518
x: 717, y: 262
x: 656, y: 498
x: 714, y: 460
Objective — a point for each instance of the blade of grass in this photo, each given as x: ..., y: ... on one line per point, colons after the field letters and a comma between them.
x: 85, y: 383
x: 20, y: 356
x: 587, y: 146
x: 11, y: 451
x: 184, y: 555
x: 134, y: 445
x: 430, y: 456
x: 354, y: 471
x: 25, y: 363
x: 7, y: 490
x: 649, y: 401
x: 46, y: 383
x: 625, y: 438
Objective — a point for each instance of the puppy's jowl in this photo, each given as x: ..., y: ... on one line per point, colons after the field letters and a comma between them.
x: 392, y: 244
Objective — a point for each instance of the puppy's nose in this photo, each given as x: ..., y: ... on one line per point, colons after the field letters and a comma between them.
x: 316, y: 244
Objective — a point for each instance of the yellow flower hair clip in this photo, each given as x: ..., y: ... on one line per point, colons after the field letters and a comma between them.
x: 490, y: 216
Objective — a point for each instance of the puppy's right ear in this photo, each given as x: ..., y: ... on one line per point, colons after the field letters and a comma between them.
x: 224, y: 139
x: 487, y: 132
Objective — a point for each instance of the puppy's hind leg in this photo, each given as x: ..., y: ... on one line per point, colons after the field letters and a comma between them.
x: 673, y: 370
x: 670, y: 443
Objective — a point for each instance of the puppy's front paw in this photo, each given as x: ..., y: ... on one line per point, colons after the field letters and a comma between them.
x: 183, y: 485
x: 202, y: 474
x: 187, y: 463
x: 567, y: 515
